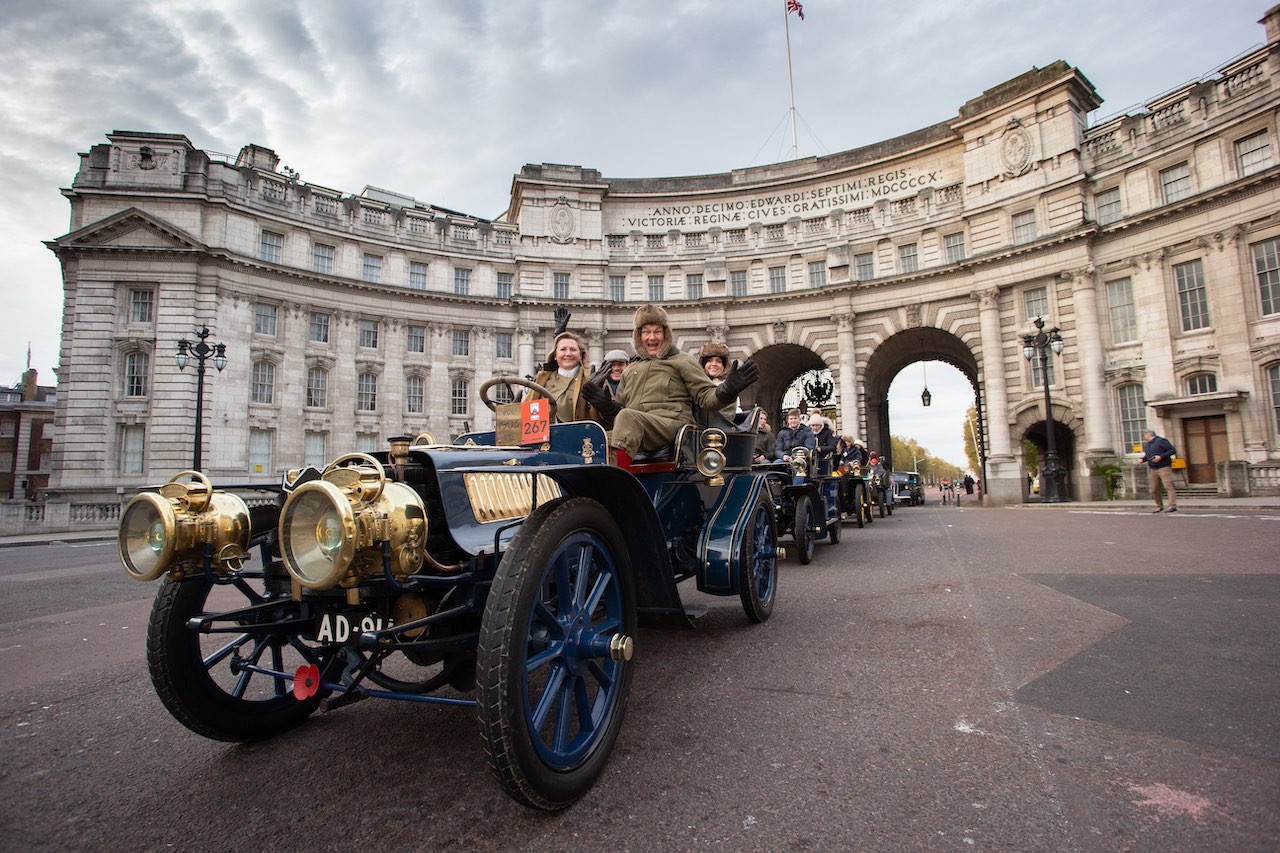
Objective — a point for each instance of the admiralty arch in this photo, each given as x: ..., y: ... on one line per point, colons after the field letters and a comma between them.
x: 1152, y: 240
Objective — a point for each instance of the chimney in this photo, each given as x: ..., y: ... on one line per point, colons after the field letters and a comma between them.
x: 1271, y: 20
x: 29, y: 385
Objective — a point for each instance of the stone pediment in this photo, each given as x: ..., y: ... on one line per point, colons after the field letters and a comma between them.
x: 130, y: 229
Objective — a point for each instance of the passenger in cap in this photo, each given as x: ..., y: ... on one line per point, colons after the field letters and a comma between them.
x: 616, y: 361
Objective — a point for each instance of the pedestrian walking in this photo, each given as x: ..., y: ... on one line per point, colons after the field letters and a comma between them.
x: 1158, y: 452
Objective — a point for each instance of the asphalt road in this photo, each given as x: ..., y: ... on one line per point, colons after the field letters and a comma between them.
x: 972, y: 679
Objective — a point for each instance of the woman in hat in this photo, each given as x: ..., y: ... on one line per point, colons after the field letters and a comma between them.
x: 714, y: 358
x: 563, y: 375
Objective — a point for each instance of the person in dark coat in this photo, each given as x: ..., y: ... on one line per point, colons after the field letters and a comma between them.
x: 794, y: 434
x: 824, y: 440
x: 1158, y: 453
x: 765, y: 441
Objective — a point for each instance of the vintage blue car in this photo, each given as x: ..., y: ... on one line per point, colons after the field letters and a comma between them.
x: 489, y: 573
x: 807, y: 500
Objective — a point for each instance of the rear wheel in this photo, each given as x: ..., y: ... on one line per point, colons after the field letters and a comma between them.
x: 758, y: 563
x: 802, y: 528
x: 553, y: 673
x: 859, y: 491
x: 235, y: 685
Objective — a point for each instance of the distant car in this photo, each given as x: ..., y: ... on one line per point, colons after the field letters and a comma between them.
x: 905, y: 491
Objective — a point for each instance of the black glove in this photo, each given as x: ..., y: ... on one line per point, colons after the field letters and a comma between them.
x: 737, y: 381
x: 562, y: 316
x: 598, y: 374
x: 600, y: 399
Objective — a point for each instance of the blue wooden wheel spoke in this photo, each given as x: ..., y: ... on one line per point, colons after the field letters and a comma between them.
x: 547, y: 702
x: 220, y: 654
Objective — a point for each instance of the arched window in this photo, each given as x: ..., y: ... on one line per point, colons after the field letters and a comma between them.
x: 1202, y: 383
x: 137, y: 374
x: 459, y: 391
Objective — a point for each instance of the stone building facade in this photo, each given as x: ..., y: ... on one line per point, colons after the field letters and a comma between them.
x: 1152, y: 240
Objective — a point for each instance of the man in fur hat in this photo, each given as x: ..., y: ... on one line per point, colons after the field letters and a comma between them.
x: 660, y: 389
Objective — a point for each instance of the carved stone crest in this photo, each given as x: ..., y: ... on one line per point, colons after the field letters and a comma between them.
x: 1015, y: 149
x: 562, y: 222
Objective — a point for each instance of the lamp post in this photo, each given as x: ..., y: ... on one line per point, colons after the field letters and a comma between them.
x: 1052, y: 474
x: 202, y: 352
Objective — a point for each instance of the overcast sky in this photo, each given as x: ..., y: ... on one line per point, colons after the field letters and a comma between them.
x: 445, y: 101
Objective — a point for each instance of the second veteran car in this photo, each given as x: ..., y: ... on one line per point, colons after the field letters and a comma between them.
x: 506, y: 572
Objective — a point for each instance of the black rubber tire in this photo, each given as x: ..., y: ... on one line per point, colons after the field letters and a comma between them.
x: 859, y: 501
x: 833, y: 532
x: 880, y: 502
x: 802, y: 529
x: 758, y: 563
x: 524, y: 592
x: 184, y: 675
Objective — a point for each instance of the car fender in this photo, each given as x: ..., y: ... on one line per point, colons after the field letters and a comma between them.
x: 720, y: 545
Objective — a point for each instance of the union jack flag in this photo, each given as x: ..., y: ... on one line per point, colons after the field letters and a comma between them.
x: 794, y: 6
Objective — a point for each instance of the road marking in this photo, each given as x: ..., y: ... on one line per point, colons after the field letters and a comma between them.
x: 1190, y: 514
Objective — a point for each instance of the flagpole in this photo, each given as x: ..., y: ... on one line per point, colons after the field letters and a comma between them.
x: 791, y: 89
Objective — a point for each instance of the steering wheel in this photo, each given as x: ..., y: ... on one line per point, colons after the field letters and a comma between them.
x: 520, y: 382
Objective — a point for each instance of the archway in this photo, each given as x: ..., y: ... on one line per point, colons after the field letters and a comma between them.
x: 900, y: 351
x: 1030, y: 426
x: 779, y: 364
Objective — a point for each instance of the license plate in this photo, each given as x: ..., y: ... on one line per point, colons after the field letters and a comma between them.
x: 341, y: 627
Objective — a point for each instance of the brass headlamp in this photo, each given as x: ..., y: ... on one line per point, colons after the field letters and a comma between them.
x: 711, y: 458
x: 332, y: 530
x: 170, y: 530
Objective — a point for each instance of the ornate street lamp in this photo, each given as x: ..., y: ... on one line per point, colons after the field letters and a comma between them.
x: 202, y: 352
x: 925, y: 397
x: 1052, y: 474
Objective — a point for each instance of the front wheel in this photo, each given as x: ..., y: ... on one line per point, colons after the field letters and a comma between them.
x: 555, y: 641
x: 859, y: 503
x: 234, y: 685
x: 802, y: 529
x: 758, y: 563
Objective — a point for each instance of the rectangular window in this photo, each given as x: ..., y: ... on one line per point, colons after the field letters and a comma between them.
x: 1266, y: 266
x: 738, y: 283
x: 953, y: 247
x: 864, y: 266
x: 260, y: 450
x: 506, y: 288
x: 417, y: 275
x: 264, y: 319
x: 317, y: 387
x: 322, y: 259
x: 137, y: 374
x: 461, y: 342
x: 1273, y: 378
x: 1037, y: 381
x: 8, y: 429
x: 1253, y: 153
x: 618, y: 288
x: 416, y: 338
x: 777, y: 279
x: 458, y: 393
x: 502, y: 343
x: 369, y: 334
x: 367, y: 392
x: 133, y: 441
x: 1132, y: 408
x: 1024, y: 227
x: 908, y: 258
x: 318, y: 327
x: 1107, y: 205
x: 1124, y: 318
x: 657, y: 288
x: 693, y: 286
x: 414, y: 392
x: 270, y: 247
x: 1193, y: 301
x: 462, y: 282
x: 315, y: 449
x: 817, y: 273
x: 141, y: 306
x: 367, y: 442
x: 264, y: 383
x: 1202, y: 383
x: 1037, y: 302
x: 1175, y: 183
x: 372, y: 269
x: 560, y: 285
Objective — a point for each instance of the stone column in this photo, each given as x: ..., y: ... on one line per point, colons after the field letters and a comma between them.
x: 524, y: 350
x: 849, y: 421
x: 1004, y: 470
x: 595, y: 348
x: 1099, y: 440
x: 439, y: 346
